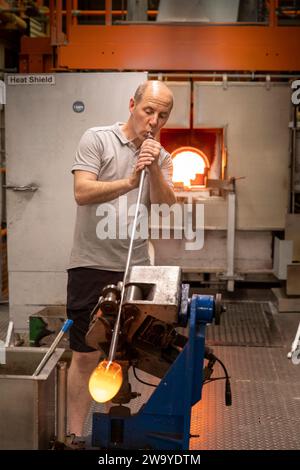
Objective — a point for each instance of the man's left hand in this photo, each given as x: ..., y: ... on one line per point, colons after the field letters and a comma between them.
x: 149, y: 154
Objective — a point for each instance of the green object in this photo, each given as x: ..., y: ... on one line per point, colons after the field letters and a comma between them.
x: 45, y: 324
x: 37, y: 330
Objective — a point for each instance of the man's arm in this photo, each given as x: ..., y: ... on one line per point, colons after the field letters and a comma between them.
x: 160, y: 191
x: 88, y: 190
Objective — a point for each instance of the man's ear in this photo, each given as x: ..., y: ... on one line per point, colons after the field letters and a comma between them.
x: 131, y: 104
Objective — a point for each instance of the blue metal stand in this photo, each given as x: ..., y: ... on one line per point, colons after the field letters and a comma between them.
x: 164, y: 421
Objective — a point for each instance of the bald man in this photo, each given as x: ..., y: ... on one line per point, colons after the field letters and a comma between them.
x: 106, y: 172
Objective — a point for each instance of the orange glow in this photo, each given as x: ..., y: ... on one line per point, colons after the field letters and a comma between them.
x: 188, y: 162
x: 105, y: 381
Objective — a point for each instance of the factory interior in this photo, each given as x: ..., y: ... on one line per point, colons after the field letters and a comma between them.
x: 209, y: 333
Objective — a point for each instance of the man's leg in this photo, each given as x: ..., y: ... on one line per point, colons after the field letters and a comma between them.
x: 84, y: 288
x: 79, y: 398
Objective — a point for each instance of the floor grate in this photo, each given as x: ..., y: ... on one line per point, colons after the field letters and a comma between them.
x: 245, y: 324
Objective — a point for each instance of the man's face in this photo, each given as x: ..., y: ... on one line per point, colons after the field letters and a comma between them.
x: 151, y: 113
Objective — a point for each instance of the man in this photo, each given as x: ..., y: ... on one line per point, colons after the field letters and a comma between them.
x: 107, y: 167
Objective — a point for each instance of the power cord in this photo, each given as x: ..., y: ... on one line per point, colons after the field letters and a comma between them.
x: 140, y: 380
x: 208, y: 370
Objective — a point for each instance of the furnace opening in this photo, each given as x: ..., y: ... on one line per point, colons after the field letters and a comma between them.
x: 199, y: 157
x: 190, y: 168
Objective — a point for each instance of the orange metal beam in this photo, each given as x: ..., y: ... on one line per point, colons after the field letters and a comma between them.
x: 76, y: 13
x: 108, y: 12
x: 36, y: 55
x: 162, y: 47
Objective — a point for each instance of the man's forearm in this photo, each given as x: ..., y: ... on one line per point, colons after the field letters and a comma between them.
x: 93, y: 192
x: 160, y: 191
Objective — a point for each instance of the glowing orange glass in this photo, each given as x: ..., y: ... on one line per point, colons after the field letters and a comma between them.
x: 188, y: 162
x: 105, y: 381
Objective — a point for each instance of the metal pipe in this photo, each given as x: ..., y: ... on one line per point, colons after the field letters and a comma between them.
x: 61, y: 401
x: 52, y: 23
x: 252, y: 76
x: 108, y: 12
x: 75, y: 12
x: 273, y: 6
x: 230, y: 240
x: 114, y: 341
x: 293, y: 153
x: 6, y: 344
x: 52, y: 348
x: 68, y: 18
x: 58, y: 20
x: 74, y: 18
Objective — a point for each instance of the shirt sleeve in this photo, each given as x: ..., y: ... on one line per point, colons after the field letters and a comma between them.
x: 167, y: 168
x: 89, y: 153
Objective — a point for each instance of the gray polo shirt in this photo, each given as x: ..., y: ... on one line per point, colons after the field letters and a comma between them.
x: 101, y: 239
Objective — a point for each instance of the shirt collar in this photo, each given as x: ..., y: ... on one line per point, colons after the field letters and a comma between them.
x: 118, y: 132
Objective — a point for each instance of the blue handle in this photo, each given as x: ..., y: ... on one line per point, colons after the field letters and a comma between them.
x: 66, y: 325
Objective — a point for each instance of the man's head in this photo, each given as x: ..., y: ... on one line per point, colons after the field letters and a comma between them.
x: 149, y: 109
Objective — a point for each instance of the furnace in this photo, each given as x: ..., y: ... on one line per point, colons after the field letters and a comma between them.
x: 198, y: 155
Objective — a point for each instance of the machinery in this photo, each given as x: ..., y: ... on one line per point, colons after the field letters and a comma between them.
x: 155, y: 305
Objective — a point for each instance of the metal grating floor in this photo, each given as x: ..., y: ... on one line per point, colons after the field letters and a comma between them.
x: 265, y: 411
x: 245, y: 324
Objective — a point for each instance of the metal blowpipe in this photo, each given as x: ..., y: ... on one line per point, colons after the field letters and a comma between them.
x: 52, y: 348
x: 114, y: 341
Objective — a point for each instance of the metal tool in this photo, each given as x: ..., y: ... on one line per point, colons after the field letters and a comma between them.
x: 294, y: 354
x: 5, y: 344
x: 52, y: 348
x: 114, y: 341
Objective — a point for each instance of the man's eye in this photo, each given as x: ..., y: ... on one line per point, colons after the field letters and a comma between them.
x: 148, y: 111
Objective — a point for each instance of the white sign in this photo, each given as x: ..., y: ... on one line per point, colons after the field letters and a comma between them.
x: 25, y: 79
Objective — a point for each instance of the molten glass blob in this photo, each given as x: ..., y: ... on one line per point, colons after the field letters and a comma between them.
x: 105, y: 381
x: 188, y: 162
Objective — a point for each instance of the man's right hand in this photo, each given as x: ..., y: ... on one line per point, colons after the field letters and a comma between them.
x: 134, y: 179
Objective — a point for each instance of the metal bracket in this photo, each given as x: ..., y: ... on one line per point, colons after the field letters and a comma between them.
x: 225, y: 81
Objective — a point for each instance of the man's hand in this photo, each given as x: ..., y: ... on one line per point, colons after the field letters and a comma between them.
x: 149, y: 154
x: 148, y: 157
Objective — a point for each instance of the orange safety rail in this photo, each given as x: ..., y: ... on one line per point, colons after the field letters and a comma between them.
x: 155, y: 46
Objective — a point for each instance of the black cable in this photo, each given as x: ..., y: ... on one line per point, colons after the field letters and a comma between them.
x: 140, y: 380
x: 213, y: 379
x: 211, y: 357
x: 228, y: 396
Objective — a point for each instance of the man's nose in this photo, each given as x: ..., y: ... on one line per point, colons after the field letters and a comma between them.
x: 153, y: 120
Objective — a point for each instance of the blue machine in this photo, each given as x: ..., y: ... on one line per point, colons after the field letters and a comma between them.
x: 164, y: 421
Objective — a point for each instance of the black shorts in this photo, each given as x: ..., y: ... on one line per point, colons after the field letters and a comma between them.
x: 84, y: 289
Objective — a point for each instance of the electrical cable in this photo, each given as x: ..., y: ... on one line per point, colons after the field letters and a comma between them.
x: 212, y: 359
x: 213, y: 379
x: 140, y: 380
